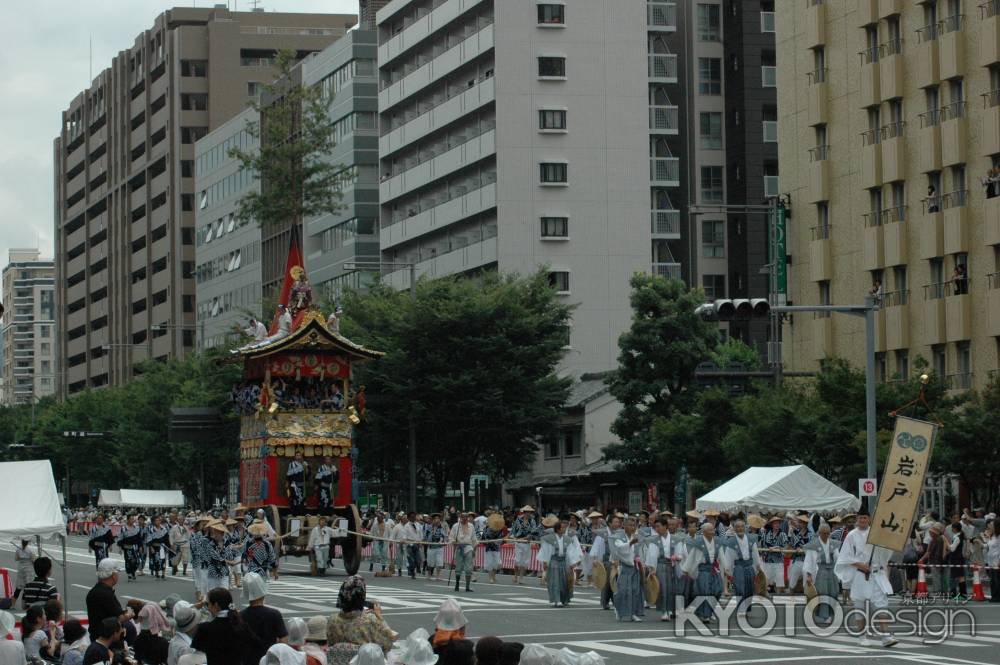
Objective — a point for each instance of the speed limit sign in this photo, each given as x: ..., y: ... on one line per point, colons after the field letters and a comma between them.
x: 867, y: 487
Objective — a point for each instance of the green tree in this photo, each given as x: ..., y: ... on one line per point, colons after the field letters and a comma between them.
x: 735, y: 351
x: 472, y: 361
x: 656, y: 364
x: 295, y: 136
x: 969, y: 446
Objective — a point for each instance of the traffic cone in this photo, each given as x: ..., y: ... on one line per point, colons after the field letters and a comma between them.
x: 977, y: 585
x: 921, y: 581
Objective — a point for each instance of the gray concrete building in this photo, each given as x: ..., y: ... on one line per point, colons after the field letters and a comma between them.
x: 124, y: 180
x: 227, y: 252
x: 28, y: 327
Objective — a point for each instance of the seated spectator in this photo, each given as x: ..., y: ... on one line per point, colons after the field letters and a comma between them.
x: 369, y: 654
x: 356, y: 624
x: 109, y: 632
x: 37, y: 644
x: 225, y: 640
x: 150, y: 646
x: 185, y: 626
x: 457, y: 652
x: 40, y: 590
x: 132, y: 625
x: 75, y: 643
x: 449, y: 624
x: 315, y: 643
x: 265, y: 623
x: 11, y: 650
x: 489, y: 650
x: 54, y: 619
x: 511, y: 653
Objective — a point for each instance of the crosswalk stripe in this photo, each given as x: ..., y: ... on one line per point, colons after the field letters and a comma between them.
x: 802, y: 643
x: 677, y: 644
x: 619, y: 649
x: 875, y: 641
x: 312, y: 607
x: 974, y: 638
x: 950, y: 642
x: 739, y: 644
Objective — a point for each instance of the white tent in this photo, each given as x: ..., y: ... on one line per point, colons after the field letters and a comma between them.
x: 30, y: 501
x: 109, y: 498
x: 779, y: 488
x: 152, y: 498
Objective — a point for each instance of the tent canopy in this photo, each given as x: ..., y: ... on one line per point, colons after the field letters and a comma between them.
x: 109, y: 498
x: 152, y: 498
x: 30, y: 501
x: 779, y: 488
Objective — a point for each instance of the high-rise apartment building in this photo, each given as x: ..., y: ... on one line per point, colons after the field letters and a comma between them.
x: 124, y: 180
x: 227, y: 251
x: 28, y: 326
x: 890, y: 122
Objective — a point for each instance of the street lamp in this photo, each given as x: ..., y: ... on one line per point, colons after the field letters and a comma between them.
x: 379, y: 267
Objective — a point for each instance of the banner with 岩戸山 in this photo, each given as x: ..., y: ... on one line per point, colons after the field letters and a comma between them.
x: 902, y: 482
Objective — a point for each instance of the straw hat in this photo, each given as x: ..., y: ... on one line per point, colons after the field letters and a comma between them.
x: 694, y: 513
x: 526, y: 509
x: 595, y: 514
x: 810, y: 591
x: 257, y: 530
x: 615, y: 571
x: 218, y: 525
x: 496, y: 522
x: 550, y: 521
x: 775, y: 518
x: 599, y: 575
x: 711, y: 512
x: 835, y: 519
x: 755, y: 521
x: 232, y: 522
x: 651, y: 589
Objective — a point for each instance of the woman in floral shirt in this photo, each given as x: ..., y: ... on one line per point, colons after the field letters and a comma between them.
x: 356, y: 624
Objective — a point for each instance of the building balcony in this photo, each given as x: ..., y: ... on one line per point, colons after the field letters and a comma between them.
x: 958, y: 315
x: 439, y: 67
x: 819, y: 174
x: 772, y: 186
x: 926, y: 71
x: 894, y: 236
x: 993, y: 304
x: 668, y: 270
x: 817, y: 93
x: 663, y: 67
x: 932, y: 230
x: 934, y: 314
x: 887, y: 8
x: 880, y: 331
x: 665, y: 171
x: 436, y: 117
x: 462, y: 155
x: 893, y: 152
x: 867, y: 12
x: 663, y: 120
x: 890, y: 66
x: 419, y: 29
x: 815, y: 25
x: 991, y: 221
x: 820, y: 255
x: 953, y: 134
x: 897, y: 320
x: 873, y: 257
x: 951, y: 35
x: 989, y: 33
x: 956, y: 224
x: 990, y: 140
x: 871, y: 160
x: 769, y: 131
x: 929, y: 143
x: 661, y: 16
x: 472, y: 256
x: 435, y: 217
x: 665, y: 224
x: 767, y: 22
x: 868, y: 80
x: 822, y: 337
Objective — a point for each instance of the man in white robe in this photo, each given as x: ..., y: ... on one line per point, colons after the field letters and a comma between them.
x: 865, y: 567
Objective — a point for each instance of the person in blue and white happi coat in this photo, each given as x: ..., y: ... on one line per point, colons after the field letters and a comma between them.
x: 295, y: 479
x: 100, y: 539
x: 664, y: 551
x: 773, y: 538
x: 742, y: 562
x: 798, y: 538
x: 326, y: 479
x: 703, y: 564
x: 626, y: 553
x: 524, y: 530
x: 157, y: 537
x: 436, y: 534
x: 130, y: 541
x: 143, y: 551
x: 558, y: 556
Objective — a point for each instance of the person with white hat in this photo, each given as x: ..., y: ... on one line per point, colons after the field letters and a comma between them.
x: 558, y: 556
x: 319, y: 544
x: 102, y: 601
x: 283, y: 654
x: 185, y: 626
x: 449, y: 624
x: 266, y: 623
x: 523, y: 531
x: 371, y: 654
x: 463, y: 538
x: 11, y: 650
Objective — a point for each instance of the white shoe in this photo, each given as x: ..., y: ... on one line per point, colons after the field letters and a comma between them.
x: 665, y: 616
x: 889, y: 641
x: 864, y: 641
x: 636, y: 619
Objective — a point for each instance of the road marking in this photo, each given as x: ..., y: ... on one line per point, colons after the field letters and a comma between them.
x: 950, y: 642
x: 619, y: 649
x: 874, y: 642
x: 739, y: 644
x: 677, y: 644
x: 312, y: 608
x: 802, y: 643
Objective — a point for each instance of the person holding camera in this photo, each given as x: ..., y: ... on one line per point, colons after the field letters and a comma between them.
x: 359, y: 621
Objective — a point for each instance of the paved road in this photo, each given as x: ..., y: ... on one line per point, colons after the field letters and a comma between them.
x: 521, y: 613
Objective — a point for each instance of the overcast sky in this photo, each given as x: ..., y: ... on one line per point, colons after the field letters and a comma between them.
x: 43, y: 64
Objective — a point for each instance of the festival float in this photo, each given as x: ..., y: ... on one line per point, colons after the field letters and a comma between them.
x: 297, y: 422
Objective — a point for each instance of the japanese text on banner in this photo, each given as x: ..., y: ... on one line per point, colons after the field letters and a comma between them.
x: 902, y: 481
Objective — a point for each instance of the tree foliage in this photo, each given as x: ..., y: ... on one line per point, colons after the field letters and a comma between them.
x: 969, y: 443
x: 472, y: 361
x: 295, y: 138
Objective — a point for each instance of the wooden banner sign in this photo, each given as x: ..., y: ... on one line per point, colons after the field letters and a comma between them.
x: 902, y: 482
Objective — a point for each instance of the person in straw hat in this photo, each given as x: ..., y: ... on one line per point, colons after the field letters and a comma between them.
x: 601, y: 554
x: 463, y: 538
x: 437, y: 534
x: 236, y: 538
x: 495, y: 529
x: 593, y: 526
x: 259, y: 555
x: 742, y: 563
x: 820, y: 562
x: 626, y: 551
x: 703, y: 564
x: 664, y: 551
x: 774, y: 561
x: 218, y: 557
x: 798, y: 538
x: 524, y: 530
x: 558, y: 555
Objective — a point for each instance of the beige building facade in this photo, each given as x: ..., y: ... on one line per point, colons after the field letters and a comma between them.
x: 27, y: 328
x: 889, y: 127
x: 125, y: 196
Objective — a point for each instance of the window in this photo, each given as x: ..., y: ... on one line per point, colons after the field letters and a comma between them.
x: 711, y: 184
x: 552, y: 448
x: 45, y: 349
x: 551, y: 119
x: 939, y: 360
x: 708, y: 23
x: 552, y: 67
x: 553, y: 173
x: 713, y: 239
x: 555, y: 227
x: 824, y: 295
x: 45, y: 331
x: 253, y: 88
x: 711, y: 131
x: 714, y: 286
x: 571, y: 443
x: 709, y: 76
x: 559, y: 280
x: 551, y: 14
x: 903, y: 364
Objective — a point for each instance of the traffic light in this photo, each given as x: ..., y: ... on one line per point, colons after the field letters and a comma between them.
x: 742, y: 309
